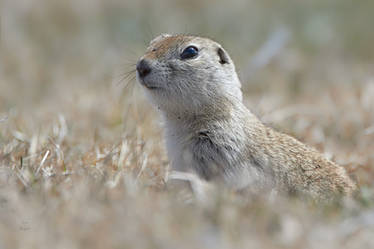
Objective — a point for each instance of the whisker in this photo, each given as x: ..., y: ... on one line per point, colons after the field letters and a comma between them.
x: 129, y: 64
x: 132, y: 79
x: 126, y: 75
x: 128, y: 72
x: 130, y: 82
x: 127, y: 82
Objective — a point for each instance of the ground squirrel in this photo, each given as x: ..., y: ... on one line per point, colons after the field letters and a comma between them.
x: 208, y: 130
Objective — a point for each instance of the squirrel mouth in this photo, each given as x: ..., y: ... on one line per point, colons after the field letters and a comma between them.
x: 151, y: 87
x: 148, y: 85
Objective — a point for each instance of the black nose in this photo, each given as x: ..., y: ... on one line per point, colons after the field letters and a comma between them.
x: 143, y: 67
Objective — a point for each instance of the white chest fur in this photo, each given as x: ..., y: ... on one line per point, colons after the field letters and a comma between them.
x: 217, y: 164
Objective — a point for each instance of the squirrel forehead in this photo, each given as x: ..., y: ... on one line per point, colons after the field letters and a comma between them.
x: 163, y: 44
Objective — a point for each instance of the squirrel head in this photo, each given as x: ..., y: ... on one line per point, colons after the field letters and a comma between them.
x: 184, y: 74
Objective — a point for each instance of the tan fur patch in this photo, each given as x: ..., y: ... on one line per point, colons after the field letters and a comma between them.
x: 159, y: 49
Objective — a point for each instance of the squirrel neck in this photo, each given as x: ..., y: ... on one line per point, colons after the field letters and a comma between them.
x: 219, y: 109
x: 224, y: 113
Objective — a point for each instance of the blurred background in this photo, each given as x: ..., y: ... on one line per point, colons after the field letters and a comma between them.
x: 76, y: 59
x: 67, y: 87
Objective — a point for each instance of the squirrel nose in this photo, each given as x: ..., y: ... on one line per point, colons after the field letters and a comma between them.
x: 143, y: 67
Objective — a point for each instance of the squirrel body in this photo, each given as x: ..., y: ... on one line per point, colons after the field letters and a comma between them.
x: 208, y: 130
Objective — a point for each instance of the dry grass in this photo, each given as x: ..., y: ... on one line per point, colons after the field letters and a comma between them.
x: 82, y: 163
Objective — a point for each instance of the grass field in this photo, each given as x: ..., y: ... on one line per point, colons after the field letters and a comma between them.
x: 82, y: 162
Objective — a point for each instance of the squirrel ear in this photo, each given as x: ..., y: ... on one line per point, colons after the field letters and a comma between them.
x: 223, y: 57
x: 159, y: 38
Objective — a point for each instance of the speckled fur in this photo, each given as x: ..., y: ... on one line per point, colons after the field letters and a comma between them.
x: 209, y: 131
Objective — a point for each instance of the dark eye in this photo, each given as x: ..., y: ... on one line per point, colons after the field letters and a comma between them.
x: 189, y: 52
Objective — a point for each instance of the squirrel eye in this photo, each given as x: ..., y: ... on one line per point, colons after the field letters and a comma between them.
x: 189, y: 52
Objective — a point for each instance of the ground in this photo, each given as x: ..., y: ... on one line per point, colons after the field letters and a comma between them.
x: 82, y: 162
